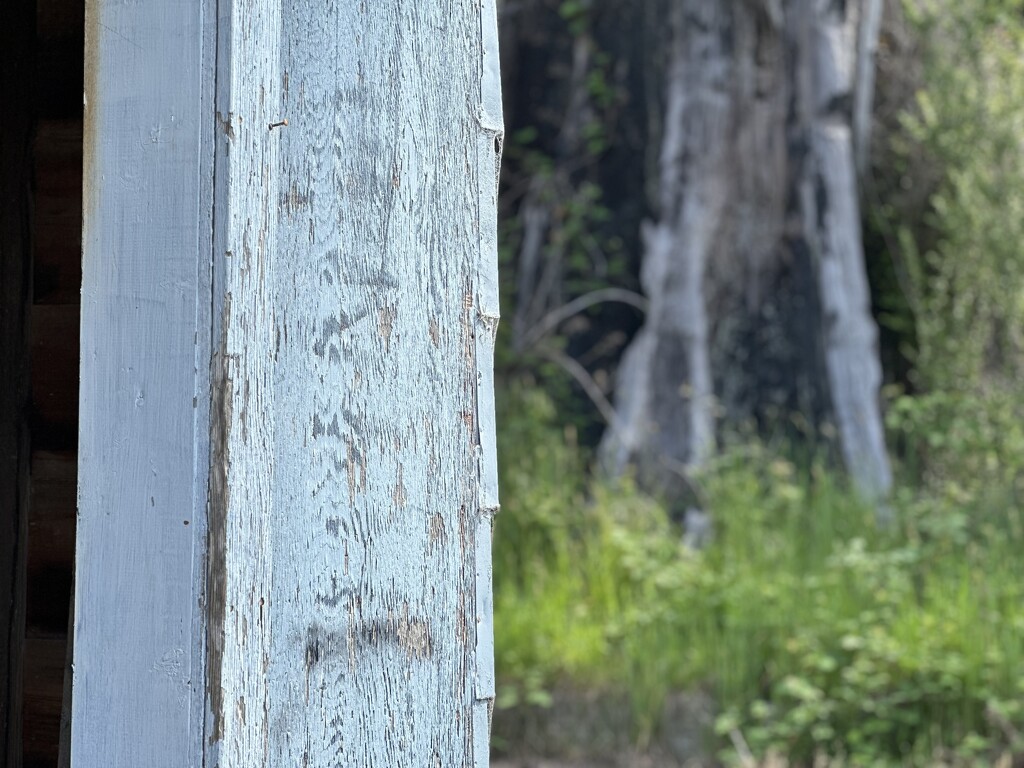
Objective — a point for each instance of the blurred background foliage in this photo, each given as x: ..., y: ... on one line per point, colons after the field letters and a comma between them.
x: 820, y: 636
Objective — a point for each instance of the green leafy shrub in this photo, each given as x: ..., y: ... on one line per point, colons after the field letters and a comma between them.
x: 815, y: 632
x: 963, y: 259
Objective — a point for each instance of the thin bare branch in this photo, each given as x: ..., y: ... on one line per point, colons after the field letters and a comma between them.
x: 556, y: 317
x: 742, y: 750
x: 585, y: 380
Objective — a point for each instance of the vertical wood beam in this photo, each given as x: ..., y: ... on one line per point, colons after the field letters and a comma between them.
x: 304, y: 326
x: 138, y: 671
x: 353, y: 461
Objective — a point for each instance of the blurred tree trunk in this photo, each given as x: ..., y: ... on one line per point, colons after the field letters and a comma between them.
x: 754, y: 266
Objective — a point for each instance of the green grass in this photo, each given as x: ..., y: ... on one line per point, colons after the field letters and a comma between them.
x: 816, y: 632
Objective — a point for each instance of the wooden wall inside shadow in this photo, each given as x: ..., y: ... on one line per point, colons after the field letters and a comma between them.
x: 54, y: 354
x: 16, y: 105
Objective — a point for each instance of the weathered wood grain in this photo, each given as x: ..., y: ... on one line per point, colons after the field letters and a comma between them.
x: 348, y: 436
x: 354, y: 457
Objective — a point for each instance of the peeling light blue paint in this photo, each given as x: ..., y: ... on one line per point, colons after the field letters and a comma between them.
x: 346, y: 330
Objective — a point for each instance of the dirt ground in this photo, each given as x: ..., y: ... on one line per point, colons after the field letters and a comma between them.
x: 622, y: 762
x: 594, y: 729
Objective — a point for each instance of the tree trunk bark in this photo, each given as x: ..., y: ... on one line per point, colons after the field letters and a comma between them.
x: 754, y: 269
x: 665, y: 401
x: 831, y: 215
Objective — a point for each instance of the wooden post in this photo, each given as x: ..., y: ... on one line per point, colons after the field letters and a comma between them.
x: 138, y: 671
x: 287, y: 466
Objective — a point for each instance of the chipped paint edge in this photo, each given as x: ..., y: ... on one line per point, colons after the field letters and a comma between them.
x: 489, y: 147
